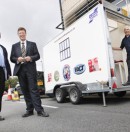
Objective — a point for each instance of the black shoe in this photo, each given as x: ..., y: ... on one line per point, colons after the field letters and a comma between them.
x: 43, y: 114
x: 126, y: 84
x: 28, y: 113
x: 1, y: 118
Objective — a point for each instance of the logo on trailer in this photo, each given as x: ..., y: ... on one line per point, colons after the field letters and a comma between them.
x: 93, y: 15
x: 93, y: 65
x: 56, y: 76
x: 66, y: 72
x: 79, y: 69
x: 49, y: 77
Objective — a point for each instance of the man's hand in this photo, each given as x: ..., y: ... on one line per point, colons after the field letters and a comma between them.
x: 20, y: 59
x: 28, y: 59
x: 116, y: 48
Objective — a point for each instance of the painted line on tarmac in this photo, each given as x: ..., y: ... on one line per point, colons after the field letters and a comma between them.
x: 54, y: 107
x: 50, y: 106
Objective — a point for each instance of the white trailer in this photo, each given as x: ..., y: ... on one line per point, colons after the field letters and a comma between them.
x: 80, y: 60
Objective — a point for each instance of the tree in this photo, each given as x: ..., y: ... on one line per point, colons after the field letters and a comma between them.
x: 12, y: 81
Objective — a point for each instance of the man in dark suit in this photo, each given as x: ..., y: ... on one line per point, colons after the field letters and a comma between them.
x: 5, y: 72
x: 24, y: 54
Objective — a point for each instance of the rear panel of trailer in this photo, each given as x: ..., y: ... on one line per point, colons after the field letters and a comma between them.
x: 80, y: 53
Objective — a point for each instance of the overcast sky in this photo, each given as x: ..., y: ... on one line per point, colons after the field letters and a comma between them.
x: 39, y: 17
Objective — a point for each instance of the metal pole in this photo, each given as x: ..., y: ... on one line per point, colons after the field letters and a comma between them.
x: 127, y: 6
x: 61, y: 11
x: 119, y: 2
x: 103, y: 96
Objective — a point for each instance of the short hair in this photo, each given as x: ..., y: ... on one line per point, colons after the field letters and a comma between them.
x: 127, y: 27
x: 21, y: 28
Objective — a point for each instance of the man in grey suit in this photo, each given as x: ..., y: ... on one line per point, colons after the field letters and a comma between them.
x: 5, y: 72
x: 24, y: 54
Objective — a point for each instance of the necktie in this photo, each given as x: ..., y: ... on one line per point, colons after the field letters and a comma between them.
x: 23, y: 50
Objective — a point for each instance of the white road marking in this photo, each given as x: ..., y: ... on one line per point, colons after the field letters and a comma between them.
x: 43, y: 105
x: 50, y: 106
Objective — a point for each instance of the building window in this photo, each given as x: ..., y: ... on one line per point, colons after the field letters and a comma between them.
x: 64, y: 47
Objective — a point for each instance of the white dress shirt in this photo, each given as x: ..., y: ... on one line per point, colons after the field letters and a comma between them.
x: 25, y: 44
x: 2, y: 62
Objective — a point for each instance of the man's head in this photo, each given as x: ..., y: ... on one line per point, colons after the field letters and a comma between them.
x: 22, y: 33
x: 127, y: 30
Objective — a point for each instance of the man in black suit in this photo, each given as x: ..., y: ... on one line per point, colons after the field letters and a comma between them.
x: 5, y: 72
x: 24, y: 54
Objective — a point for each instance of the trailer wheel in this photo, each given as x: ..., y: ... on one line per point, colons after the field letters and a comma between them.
x: 60, y: 95
x: 120, y: 94
x: 74, y: 95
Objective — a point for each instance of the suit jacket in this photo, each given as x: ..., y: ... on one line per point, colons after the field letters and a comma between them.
x: 31, y: 50
x: 7, y: 65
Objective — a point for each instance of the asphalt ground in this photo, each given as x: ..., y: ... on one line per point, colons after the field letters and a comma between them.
x: 89, y: 116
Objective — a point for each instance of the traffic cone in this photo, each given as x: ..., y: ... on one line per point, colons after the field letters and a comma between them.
x: 15, y: 96
x: 9, y: 97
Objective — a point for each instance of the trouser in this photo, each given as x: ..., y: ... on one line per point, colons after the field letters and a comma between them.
x: 2, y: 85
x: 28, y: 83
x: 128, y: 64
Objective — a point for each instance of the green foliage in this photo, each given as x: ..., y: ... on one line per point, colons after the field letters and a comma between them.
x: 12, y: 81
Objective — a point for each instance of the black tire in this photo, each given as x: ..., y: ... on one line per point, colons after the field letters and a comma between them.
x: 75, y: 96
x: 100, y: 94
x: 120, y: 94
x: 60, y: 95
